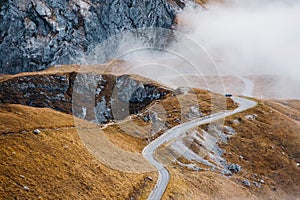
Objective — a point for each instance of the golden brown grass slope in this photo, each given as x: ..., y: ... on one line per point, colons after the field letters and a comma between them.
x: 173, y: 110
x: 115, y: 67
x: 290, y: 108
x: 269, y: 146
x: 267, y: 149
x: 55, y: 164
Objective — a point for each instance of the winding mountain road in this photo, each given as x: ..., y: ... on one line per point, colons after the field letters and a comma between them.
x: 149, y: 150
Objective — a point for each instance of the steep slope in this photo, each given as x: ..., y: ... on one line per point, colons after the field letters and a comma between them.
x: 290, y: 108
x: 55, y: 164
x: 136, y: 132
x: 54, y: 32
x: 263, y: 141
x: 89, y: 92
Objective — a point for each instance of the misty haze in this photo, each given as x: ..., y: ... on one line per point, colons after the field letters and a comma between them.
x: 154, y: 99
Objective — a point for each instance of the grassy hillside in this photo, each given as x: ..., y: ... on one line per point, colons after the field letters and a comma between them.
x: 55, y: 164
x: 267, y: 149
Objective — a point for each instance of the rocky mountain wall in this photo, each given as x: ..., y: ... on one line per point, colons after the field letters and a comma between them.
x: 94, y: 97
x: 36, y: 34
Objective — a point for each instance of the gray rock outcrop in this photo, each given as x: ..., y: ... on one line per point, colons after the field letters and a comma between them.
x: 234, y: 168
x: 91, y: 96
x: 36, y: 34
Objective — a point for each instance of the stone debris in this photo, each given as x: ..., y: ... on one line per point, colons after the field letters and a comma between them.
x: 146, y: 118
x: 36, y: 131
x: 251, y: 117
x: 236, y: 121
x: 26, y: 188
x: 229, y: 130
x: 193, y: 167
x: 257, y: 184
x: 194, y: 112
x: 234, y: 168
x: 246, y: 183
x: 206, y: 148
x: 151, y: 116
x: 177, y: 120
x: 149, y: 178
x: 285, y: 103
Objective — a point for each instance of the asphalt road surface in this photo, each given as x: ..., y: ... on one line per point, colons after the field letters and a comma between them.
x: 149, y: 150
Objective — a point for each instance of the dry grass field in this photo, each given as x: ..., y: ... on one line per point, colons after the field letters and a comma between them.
x: 55, y: 164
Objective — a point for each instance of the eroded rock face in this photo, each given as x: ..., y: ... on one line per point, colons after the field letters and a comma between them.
x: 101, y: 98
x: 130, y: 90
x: 51, y: 91
x: 35, y: 34
x: 94, y: 97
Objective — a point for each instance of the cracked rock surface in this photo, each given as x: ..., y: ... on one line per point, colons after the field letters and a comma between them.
x: 36, y: 34
x: 94, y: 97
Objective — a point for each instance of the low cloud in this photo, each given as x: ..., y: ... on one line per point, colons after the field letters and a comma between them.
x: 240, y: 37
x: 248, y: 37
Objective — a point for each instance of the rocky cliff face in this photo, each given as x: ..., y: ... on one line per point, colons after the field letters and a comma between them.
x: 35, y: 34
x: 91, y: 96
